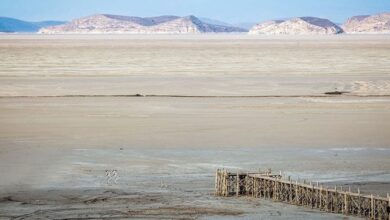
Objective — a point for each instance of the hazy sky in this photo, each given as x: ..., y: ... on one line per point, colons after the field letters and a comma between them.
x: 233, y: 11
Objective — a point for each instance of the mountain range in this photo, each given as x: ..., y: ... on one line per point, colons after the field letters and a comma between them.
x: 363, y: 24
x: 106, y: 23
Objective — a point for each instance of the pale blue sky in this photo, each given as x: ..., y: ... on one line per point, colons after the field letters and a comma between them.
x: 233, y: 11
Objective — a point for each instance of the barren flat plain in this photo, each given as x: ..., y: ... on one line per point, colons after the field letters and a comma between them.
x: 166, y: 111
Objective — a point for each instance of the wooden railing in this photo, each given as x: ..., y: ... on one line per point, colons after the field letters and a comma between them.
x: 275, y: 187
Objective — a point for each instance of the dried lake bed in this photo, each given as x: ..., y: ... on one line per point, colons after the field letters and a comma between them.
x: 67, y: 115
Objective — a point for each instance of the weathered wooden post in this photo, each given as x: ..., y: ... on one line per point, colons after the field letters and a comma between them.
x: 247, y: 185
x: 226, y: 178
x: 254, y: 191
x: 291, y: 191
x: 268, y: 187
x: 360, y: 203
x: 262, y: 188
x: 274, y: 190
x: 220, y: 182
x: 320, y: 197
x: 372, y: 209
x: 359, y: 207
x: 388, y: 205
x: 327, y: 200
x: 238, y: 184
x: 346, y: 204
x: 223, y: 183
x: 227, y: 183
x: 312, y: 196
x: 217, y: 183
x: 296, y: 193
x: 336, y: 201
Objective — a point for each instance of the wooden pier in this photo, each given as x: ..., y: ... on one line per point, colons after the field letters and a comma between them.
x: 274, y: 187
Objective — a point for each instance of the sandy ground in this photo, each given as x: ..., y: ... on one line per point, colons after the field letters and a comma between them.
x: 54, y: 150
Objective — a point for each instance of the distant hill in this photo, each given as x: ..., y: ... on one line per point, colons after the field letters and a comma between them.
x: 297, y: 26
x: 15, y: 25
x: 11, y: 25
x: 379, y: 23
x: 105, y: 23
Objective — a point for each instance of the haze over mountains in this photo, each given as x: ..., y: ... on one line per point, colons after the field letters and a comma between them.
x: 12, y: 25
x: 117, y: 24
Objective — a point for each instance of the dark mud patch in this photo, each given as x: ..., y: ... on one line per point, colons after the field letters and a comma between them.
x: 336, y: 93
x: 8, y: 199
x: 184, y: 211
x: 105, y: 204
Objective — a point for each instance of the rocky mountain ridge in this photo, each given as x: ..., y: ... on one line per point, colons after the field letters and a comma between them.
x: 379, y: 23
x: 104, y: 23
x: 297, y: 26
